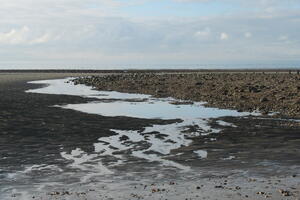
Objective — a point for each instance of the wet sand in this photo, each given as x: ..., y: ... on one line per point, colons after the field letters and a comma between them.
x: 262, y: 153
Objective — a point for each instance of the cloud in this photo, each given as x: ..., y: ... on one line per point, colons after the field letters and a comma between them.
x: 43, y: 39
x: 14, y: 36
x: 224, y: 36
x: 22, y: 36
x: 100, y: 31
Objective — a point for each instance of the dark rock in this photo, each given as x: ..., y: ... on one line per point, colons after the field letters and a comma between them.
x: 237, y: 187
x: 285, y: 193
x: 124, y: 137
x: 242, y: 97
x: 253, y: 89
x: 264, y: 99
x: 219, y: 186
x: 159, y: 91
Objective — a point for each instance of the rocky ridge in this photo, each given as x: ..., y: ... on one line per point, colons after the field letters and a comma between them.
x: 265, y: 92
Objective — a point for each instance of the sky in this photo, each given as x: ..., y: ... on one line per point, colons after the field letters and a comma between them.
x: 147, y: 33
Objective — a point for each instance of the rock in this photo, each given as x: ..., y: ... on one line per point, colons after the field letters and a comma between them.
x: 262, y: 193
x: 225, y: 92
x: 243, y: 91
x: 253, y: 89
x: 159, y: 91
x: 297, y: 102
x: 285, y: 193
x: 123, y: 137
x: 219, y: 186
x: 242, y: 97
x: 264, y: 99
x: 182, y: 102
x: 66, y: 193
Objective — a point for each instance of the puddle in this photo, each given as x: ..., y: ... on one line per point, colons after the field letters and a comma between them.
x: 159, y: 108
x: 154, y: 144
x: 67, y: 87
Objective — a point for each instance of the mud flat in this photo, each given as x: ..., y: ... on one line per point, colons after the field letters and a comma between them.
x: 65, y: 141
x: 271, y: 92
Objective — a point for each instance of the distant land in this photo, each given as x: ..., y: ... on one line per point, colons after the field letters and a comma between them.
x: 150, y: 66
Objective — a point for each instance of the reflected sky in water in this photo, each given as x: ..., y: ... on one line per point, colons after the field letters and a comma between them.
x: 153, y: 109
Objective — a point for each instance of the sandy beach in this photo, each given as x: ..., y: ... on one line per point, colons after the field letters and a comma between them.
x: 250, y: 157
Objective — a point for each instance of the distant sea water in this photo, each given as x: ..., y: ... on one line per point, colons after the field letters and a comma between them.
x: 6, y: 66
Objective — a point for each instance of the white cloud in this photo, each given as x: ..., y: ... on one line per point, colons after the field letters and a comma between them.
x: 22, y: 36
x: 224, y: 36
x: 14, y: 36
x: 43, y: 39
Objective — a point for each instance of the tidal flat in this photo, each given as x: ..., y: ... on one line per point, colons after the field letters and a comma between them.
x: 64, y: 137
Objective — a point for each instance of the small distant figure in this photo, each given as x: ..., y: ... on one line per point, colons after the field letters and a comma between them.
x: 290, y: 71
x: 298, y: 72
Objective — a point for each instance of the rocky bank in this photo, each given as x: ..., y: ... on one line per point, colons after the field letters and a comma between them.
x: 248, y: 91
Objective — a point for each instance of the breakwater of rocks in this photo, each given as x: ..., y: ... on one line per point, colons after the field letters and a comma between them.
x: 265, y: 92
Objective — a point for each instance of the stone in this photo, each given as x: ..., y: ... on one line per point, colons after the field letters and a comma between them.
x: 264, y: 99
x: 123, y: 137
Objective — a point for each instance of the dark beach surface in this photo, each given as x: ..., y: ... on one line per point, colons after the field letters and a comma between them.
x: 256, y: 158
